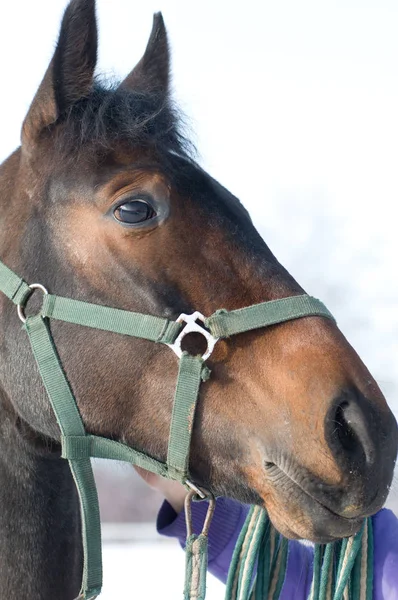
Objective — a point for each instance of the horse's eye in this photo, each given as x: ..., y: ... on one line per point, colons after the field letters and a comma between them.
x: 135, y: 211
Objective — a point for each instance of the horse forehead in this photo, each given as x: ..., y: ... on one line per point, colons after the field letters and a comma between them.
x: 100, y: 186
x: 94, y: 167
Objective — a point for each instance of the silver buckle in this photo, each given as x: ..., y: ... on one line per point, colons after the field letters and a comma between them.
x: 190, y: 327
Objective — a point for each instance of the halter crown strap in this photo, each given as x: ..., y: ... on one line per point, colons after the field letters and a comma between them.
x: 77, y: 445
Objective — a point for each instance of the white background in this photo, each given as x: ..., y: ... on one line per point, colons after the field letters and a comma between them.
x: 148, y: 570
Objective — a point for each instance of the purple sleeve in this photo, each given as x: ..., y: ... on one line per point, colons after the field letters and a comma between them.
x: 385, y: 531
x: 228, y: 520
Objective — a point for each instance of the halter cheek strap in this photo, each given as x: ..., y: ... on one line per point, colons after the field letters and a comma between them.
x: 77, y: 445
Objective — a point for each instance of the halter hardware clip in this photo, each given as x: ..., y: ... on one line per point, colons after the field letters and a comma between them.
x: 196, y: 490
x: 191, y: 326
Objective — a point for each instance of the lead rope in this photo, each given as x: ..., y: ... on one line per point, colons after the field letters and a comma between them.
x: 341, y: 570
x: 196, y: 550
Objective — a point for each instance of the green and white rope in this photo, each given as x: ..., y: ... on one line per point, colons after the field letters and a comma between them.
x: 341, y: 570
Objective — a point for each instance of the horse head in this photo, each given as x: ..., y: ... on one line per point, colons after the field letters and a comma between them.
x: 104, y: 202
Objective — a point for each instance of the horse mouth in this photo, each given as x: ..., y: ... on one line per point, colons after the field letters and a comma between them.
x: 322, y: 523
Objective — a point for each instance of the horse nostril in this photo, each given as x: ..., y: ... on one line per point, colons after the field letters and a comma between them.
x: 344, y: 430
x: 362, y: 440
x: 351, y: 432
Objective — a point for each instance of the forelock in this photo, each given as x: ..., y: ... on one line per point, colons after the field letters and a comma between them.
x: 111, y: 114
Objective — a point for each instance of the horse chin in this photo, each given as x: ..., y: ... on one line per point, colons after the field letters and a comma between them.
x: 298, y: 515
x: 293, y: 511
x: 311, y: 521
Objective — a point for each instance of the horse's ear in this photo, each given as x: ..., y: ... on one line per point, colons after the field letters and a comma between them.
x: 152, y: 73
x: 70, y: 74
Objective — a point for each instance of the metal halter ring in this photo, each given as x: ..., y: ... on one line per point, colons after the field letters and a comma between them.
x: 21, y: 307
x: 193, y: 327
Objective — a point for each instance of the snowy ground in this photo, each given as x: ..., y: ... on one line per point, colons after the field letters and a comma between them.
x: 148, y: 570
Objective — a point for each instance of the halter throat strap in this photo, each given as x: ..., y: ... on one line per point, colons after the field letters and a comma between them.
x: 77, y: 445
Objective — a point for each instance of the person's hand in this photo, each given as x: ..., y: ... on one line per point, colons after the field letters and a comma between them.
x: 173, y: 491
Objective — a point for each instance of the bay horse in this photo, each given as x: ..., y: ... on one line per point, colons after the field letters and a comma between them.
x: 104, y: 202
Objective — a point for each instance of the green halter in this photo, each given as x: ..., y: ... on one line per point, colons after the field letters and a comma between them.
x: 77, y: 445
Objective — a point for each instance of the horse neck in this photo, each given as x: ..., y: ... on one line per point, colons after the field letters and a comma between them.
x: 40, y: 543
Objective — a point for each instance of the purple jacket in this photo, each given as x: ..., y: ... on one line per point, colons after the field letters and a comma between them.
x: 228, y: 521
